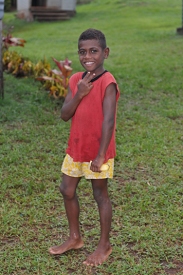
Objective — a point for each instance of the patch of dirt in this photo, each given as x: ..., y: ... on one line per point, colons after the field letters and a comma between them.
x: 178, y: 268
x: 9, y: 242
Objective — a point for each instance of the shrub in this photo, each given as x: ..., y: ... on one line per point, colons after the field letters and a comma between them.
x: 16, y: 64
x: 9, y: 41
x: 56, y: 82
x: 7, y: 5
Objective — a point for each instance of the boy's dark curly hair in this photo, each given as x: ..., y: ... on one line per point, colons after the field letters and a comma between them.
x: 91, y: 34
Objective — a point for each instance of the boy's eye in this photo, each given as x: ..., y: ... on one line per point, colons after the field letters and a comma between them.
x: 81, y: 52
x: 93, y: 51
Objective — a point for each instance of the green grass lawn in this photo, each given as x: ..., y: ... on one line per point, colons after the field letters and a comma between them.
x: 146, y: 192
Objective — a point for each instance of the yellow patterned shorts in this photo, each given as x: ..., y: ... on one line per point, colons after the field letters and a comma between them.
x: 80, y: 169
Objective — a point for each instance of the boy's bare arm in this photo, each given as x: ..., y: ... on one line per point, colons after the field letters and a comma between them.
x: 109, y: 111
x: 69, y: 106
x: 71, y: 103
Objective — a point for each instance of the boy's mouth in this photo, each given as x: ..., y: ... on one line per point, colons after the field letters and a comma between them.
x: 89, y: 63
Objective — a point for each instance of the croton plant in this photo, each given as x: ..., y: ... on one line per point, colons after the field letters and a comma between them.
x: 8, y: 41
x: 54, y: 80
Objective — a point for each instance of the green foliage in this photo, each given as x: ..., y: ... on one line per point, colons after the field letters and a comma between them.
x: 9, y: 41
x: 7, y: 5
x: 17, y: 65
x: 42, y: 67
x: 56, y: 82
x: 146, y: 192
x: 83, y: 1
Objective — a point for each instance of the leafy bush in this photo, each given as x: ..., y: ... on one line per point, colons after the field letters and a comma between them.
x: 9, y: 41
x: 83, y: 1
x: 41, y: 68
x: 17, y: 65
x: 12, y: 61
x: 57, y: 81
x: 7, y: 5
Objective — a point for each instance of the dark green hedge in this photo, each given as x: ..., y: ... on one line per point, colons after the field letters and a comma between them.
x: 7, y: 5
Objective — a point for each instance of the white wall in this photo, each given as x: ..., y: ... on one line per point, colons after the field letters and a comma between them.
x: 68, y: 5
x: 23, y: 5
x: 54, y: 3
x: 62, y: 4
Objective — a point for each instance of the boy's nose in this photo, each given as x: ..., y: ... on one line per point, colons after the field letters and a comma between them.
x: 87, y: 54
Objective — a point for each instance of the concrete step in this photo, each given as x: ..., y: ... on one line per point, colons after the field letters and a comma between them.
x: 50, y: 14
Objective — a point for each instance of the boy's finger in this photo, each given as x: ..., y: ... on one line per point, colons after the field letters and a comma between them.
x: 89, y: 76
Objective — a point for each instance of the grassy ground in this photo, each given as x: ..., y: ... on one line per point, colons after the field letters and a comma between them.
x: 146, y: 192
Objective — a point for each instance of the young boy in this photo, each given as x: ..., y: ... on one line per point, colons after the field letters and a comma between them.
x: 91, y: 105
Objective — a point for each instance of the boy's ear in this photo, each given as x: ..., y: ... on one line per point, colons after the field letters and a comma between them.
x: 106, y: 53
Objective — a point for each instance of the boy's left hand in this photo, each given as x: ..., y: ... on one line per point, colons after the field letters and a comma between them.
x: 96, y: 164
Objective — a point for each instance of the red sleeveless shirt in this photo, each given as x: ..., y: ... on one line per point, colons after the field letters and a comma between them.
x: 86, y: 123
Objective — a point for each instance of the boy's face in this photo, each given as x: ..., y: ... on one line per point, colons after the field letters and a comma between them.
x: 92, y: 56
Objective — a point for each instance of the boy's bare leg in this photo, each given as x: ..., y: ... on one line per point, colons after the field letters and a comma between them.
x: 104, y: 248
x: 74, y: 241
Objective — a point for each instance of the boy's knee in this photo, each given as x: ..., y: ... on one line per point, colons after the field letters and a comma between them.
x: 99, y: 196
x: 66, y: 192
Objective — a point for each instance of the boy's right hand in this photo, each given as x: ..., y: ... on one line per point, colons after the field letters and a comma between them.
x: 85, y: 85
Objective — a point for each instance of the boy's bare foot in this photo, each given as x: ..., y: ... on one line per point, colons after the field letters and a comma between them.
x: 99, y: 256
x: 67, y: 245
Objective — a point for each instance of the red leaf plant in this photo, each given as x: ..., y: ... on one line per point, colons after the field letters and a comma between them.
x: 57, y: 80
x: 8, y: 41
